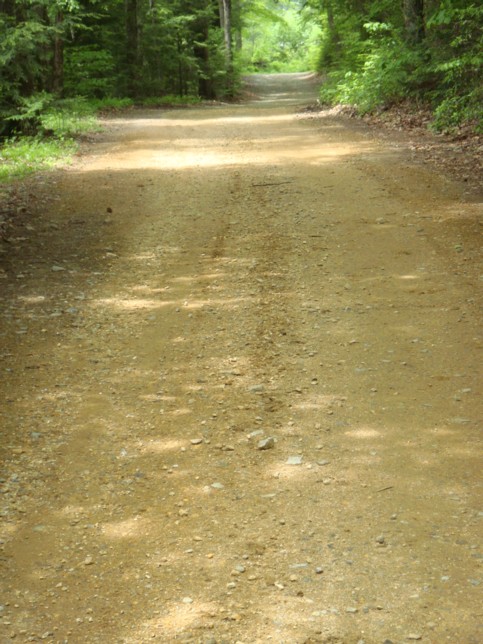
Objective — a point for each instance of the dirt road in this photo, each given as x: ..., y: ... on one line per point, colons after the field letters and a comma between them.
x: 240, y: 359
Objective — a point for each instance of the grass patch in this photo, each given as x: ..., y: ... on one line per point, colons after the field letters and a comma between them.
x: 19, y: 158
x: 50, y: 127
x: 70, y: 118
x: 111, y: 104
x: 170, y: 100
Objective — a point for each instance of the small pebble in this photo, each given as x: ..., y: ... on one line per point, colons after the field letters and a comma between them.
x: 266, y: 443
x: 294, y: 460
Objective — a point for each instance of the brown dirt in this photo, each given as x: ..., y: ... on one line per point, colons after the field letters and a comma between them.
x: 199, y: 281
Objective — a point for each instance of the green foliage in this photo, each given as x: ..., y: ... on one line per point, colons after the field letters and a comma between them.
x: 372, y: 58
x: 107, y: 48
x: 170, y: 100
x: 69, y: 118
x: 27, y: 119
x: 26, y: 155
x: 455, y: 110
x: 380, y: 74
x: 42, y: 114
x: 459, y: 95
x: 280, y: 40
x: 110, y: 104
x: 89, y: 71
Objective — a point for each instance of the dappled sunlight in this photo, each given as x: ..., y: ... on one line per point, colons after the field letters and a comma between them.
x: 133, y: 304
x: 161, y: 446
x: 441, y: 430
x: 287, y: 472
x: 455, y: 212
x: 73, y: 511
x: 233, y: 302
x: 157, y: 398
x: 144, y: 288
x: 32, y: 299
x: 203, y: 117
x: 317, y: 401
x: 177, y: 617
x: 154, y: 159
x: 180, y: 411
x: 146, y: 257
x: 365, y: 432
x: 132, y: 528
x: 219, y: 433
x: 199, y: 277
x: 9, y: 529
x: 208, y: 150
x: 154, y: 255
x: 283, y: 613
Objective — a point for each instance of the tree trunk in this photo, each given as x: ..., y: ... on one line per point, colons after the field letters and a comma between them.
x: 58, y: 58
x: 226, y: 20
x: 236, y: 21
x: 132, y: 47
x: 414, y: 21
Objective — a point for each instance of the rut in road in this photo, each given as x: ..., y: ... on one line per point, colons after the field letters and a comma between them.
x: 241, y: 388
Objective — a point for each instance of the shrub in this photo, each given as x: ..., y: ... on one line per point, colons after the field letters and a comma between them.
x: 89, y: 71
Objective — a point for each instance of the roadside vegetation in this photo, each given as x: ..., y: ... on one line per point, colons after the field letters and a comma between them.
x: 378, y: 54
x: 61, y: 64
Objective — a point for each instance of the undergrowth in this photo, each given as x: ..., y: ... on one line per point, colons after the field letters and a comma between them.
x: 44, y: 131
x: 20, y: 157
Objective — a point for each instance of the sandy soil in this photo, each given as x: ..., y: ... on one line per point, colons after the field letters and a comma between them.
x: 240, y: 359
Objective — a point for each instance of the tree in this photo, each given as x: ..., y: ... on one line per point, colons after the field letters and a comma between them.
x: 378, y: 52
x: 414, y: 21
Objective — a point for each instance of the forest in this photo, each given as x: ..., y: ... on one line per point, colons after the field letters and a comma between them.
x: 60, y: 60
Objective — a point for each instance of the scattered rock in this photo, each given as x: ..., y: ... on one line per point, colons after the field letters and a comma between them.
x: 266, y: 443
